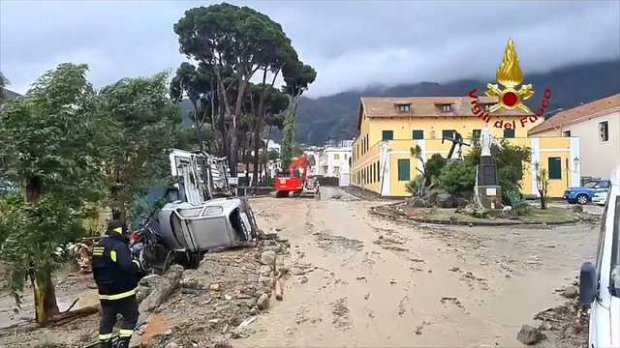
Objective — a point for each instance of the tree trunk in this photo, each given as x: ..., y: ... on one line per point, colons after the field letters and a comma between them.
x: 44, y: 296
x: 258, y: 127
x: 41, y: 278
x: 543, y: 200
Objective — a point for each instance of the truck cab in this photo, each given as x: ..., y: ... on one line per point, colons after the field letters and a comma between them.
x: 600, y: 282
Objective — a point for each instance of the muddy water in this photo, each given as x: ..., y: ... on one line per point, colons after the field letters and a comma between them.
x: 380, y: 283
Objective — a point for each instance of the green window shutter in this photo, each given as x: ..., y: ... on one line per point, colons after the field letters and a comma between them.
x: 387, y: 135
x: 555, y: 168
x: 476, y: 133
x: 417, y: 134
x: 403, y: 169
x: 509, y: 133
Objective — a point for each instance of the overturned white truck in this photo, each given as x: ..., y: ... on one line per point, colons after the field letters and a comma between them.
x: 206, y: 216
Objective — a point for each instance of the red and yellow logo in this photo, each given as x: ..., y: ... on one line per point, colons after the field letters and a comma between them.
x: 510, y: 92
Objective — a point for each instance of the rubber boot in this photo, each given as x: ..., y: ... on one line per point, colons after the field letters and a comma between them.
x: 123, y: 343
x: 105, y: 344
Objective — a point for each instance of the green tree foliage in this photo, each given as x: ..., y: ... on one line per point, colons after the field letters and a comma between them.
x: 434, y: 166
x: 198, y: 85
x: 265, y: 105
x: 458, y: 178
x: 510, y: 160
x: 141, y: 126
x: 3, y: 83
x: 234, y: 43
x: 298, y: 77
x: 49, y: 148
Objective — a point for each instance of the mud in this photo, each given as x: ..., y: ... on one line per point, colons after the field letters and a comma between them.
x: 411, y: 284
x: 351, y: 278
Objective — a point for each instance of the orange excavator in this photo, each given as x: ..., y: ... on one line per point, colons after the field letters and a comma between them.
x: 297, y: 182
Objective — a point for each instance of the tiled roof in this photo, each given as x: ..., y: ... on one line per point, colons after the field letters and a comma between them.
x: 581, y: 112
x: 426, y: 106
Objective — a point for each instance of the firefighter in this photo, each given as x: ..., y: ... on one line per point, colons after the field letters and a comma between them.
x: 117, y: 276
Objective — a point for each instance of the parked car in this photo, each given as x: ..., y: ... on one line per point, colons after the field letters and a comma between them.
x: 600, y: 197
x: 585, y: 194
x: 600, y: 282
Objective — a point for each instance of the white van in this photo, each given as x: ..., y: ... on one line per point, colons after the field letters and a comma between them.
x: 600, y: 283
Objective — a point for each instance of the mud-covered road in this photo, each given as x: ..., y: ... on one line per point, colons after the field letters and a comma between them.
x: 382, y: 283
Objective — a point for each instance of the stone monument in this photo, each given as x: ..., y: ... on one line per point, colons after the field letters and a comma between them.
x: 488, y: 191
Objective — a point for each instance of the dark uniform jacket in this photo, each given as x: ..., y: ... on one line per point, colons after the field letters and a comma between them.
x: 115, y: 273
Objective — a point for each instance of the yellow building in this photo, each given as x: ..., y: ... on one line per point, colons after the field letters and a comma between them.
x: 389, y: 127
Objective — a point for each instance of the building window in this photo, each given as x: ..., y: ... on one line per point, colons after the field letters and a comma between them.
x: 346, y: 156
x: 604, y: 130
x: 403, y: 107
x: 367, y: 145
x: 487, y: 107
x: 336, y: 171
x: 403, y: 170
x: 509, y: 133
x: 567, y: 133
x: 448, y: 133
x: 336, y: 156
x: 555, y: 168
x: 387, y: 135
x: 476, y: 134
x: 378, y: 169
x: 446, y: 107
x: 417, y: 134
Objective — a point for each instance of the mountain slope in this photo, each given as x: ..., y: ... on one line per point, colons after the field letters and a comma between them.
x: 335, y: 116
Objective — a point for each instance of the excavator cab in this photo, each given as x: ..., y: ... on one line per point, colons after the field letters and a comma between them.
x: 297, y: 182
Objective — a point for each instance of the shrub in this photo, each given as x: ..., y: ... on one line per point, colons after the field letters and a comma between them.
x: 416, y: 186
x: 434, y: 165
x: 518, y: 203
x: 458, y: 178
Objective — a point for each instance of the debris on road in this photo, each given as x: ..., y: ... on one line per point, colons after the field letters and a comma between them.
x: 565, y: 325
x: 334, y: 243
x: 529, y: 335
x: 418, y: 329
x: 570, y: 292
x: 341, y: 313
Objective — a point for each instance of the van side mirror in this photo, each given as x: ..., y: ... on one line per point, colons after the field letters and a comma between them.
x: 587, y: 285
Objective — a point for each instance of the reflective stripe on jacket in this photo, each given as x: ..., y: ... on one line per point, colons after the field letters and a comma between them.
x: 115, y: 273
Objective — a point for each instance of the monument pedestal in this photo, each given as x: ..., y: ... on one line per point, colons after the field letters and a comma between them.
x: 490, y: 196
x: 489, y: 192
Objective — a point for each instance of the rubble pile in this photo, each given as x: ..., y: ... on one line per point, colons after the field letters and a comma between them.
x: 561, y: 326
x: 221, y: 299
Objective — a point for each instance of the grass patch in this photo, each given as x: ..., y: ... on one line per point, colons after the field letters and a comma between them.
x: 536, y: 216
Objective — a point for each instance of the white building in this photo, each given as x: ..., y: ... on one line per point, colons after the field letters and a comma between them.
x: 597, y: 124
x: 335, y: 161
x: 272, y: 145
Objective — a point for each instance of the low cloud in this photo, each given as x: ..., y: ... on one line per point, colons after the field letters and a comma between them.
x: 351, y: 44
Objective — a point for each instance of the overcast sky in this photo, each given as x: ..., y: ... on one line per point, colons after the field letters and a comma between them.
x: 351, y: 44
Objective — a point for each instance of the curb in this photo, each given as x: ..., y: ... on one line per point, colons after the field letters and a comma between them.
x: 374, y: 211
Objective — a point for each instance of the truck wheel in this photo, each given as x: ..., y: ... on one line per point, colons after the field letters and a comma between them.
x: 582, y: 199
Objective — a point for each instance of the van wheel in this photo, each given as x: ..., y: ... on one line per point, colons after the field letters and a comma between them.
x: 582, y: 199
